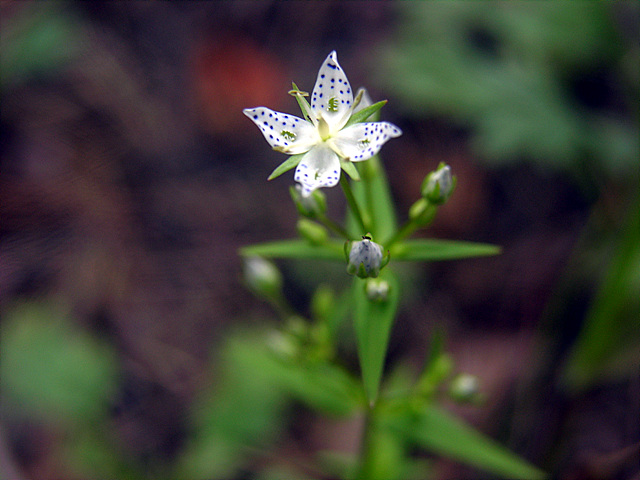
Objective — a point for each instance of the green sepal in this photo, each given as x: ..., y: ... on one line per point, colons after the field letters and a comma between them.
x: 304, y: 105
x: 362, y: 115
x: 288, y: 164
x: 351, y: 170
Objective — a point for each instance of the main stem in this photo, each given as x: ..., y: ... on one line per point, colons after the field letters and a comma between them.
x: 366, y: 451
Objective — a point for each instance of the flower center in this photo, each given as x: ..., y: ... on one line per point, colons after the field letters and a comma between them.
x: 323, y: 129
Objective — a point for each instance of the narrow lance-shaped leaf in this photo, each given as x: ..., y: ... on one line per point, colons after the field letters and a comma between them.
x: 438, y: 431
x: 298, y: 249
x: 365, y: 113
x: 289, y: 164
x: 373, y: 322
x: 433, y: 249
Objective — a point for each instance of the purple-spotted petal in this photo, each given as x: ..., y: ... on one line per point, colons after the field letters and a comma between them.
x: 332, y: 95
x: 362, y: 141
x: 320, y: 167
x: 283, y: 130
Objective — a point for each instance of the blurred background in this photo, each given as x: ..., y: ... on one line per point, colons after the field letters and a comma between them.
x: 129, y: 178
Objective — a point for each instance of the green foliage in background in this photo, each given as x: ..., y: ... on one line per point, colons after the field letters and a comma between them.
x: 540, y: 81
x: 36, y: 40
x: 52, y: 370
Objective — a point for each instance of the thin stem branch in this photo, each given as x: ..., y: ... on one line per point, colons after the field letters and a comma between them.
x: 351, y: 200
x: 333, y: 226
x: 406, y: 230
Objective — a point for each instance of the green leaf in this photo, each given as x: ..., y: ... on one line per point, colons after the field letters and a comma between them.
x: 373, y: 321
x: 241, y: 411
x: 52, y: 369
x: 433, y: 250
x: 439, y: 432
x: 362, y: 115
x: 298, y: 249
x: 289, y: 164
x: 612, y: 324
x: 322, y: 386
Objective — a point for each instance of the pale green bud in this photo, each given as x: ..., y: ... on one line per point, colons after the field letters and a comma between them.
x: 315, y: 233
x: 263, y: 277
x: 311, y: 206
x: 322, y: 302
x: 438, y: 185
x: 465, y: 388
x: 377, y: 290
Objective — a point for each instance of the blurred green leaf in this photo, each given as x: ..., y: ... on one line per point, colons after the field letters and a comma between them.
x: 245, y: 410
x: 373, y: 321
x: 322, y: 386
x: 612, y: 325
x: 298, y: 249
x: 39, y: 39
x: 51, y: 368
x: 439, y: 432
x: 433, y: 250
x: 241, y: 412
x: 532, y: 80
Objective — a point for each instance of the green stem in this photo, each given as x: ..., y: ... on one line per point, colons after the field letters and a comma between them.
x: 351, y: 200
x: 333, y: 226
x: 406, y: 230
x: 366, y: 453
x: 421, y: 218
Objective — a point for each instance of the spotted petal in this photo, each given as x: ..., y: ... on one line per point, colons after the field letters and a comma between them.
x: 318, y: 168
x: 332, y: 96
x: 282, y: 130
x: 362, y: 141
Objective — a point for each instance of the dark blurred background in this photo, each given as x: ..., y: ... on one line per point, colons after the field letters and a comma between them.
x: 129, y: 178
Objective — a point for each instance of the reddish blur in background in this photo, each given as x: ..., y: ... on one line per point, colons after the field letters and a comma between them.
x: 129, y: 178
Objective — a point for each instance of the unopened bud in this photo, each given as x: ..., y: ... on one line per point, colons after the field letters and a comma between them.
x: 366, y: 258
x: 465, y: 388
x: 438, y: 185
x: 377, y: 290
x: 322, y: 302
x: 311, y: 206
x: 263, y: 277
x: 312, y: 231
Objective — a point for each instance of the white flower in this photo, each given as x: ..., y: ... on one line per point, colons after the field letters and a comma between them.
x: 324, y: 138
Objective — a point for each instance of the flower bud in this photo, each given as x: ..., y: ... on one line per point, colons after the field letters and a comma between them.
x: 311, y: 206
x: 365, y: 258
x: 377, y: 290
x: 438, y: 185
x: 315, y: 233
x: 263, y: 277
x: 465, y: 388
x: 323, y: 302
